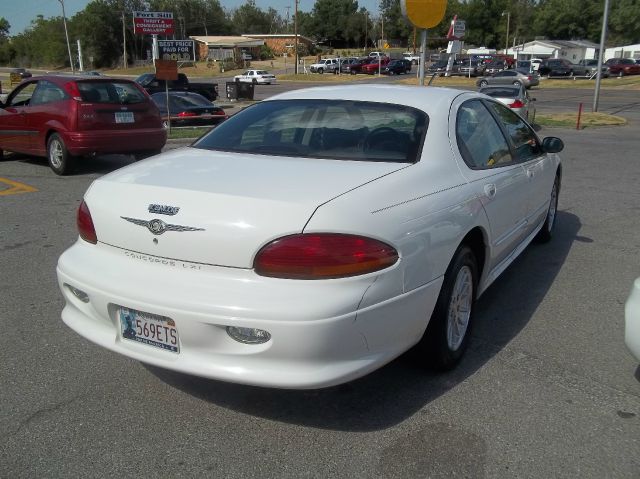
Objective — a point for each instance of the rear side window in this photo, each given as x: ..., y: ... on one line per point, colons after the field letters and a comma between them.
x: 110, y: 92
x: 47, y: 92
x: 332, y: 129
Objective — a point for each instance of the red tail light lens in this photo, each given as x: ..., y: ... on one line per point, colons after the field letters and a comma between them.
x: 85, y: 224
x: 323, y: 256
x: 73, y: 90
x: 182, y: 114
x: 516, y: 104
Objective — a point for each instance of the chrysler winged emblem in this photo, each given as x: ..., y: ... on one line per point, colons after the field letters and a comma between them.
x: 157, y: 227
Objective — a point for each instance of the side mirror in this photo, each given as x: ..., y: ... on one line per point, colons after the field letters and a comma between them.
x: 551, y: 144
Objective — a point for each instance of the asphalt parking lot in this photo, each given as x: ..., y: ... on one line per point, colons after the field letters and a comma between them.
x: 546, y: 390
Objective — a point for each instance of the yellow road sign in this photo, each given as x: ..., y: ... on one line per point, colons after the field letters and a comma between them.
x: 424, y: 13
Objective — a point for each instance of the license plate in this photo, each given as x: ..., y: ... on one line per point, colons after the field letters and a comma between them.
x: 151, y: 329
x: 124, y: 117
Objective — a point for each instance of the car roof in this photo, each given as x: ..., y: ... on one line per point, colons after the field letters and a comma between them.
x: 434, y: 101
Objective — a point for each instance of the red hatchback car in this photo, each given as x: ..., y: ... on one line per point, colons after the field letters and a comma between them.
x: 66, y: 117
x: 622, y: 66
x: 375, y: 66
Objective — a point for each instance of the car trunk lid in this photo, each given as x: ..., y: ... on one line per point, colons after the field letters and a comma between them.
x: 215, y: 207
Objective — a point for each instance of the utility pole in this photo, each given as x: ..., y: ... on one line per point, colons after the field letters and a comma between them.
x: 124, y: 43
x: 295, y: 41
x: 66, y: 33
x: 506, y: 42
x: 366, y: 30
x: 603, y: 37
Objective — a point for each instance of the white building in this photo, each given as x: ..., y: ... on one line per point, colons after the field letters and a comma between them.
x: 572, y: 50
x: 627, y: 51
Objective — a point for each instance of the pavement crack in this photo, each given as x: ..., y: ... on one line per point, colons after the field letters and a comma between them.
x: 42, y: 412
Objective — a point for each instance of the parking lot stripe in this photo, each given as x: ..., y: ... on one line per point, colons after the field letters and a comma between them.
x: 15, y: 187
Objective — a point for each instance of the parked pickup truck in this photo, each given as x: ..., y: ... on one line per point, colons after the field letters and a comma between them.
x: 412, y: 57
x: 149, y: 82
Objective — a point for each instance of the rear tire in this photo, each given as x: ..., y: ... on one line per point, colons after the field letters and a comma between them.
x: 60, y: 160
x: 546, y: 233
x: 484, y: 83
x: 517, y: 83
x: 447, y: 335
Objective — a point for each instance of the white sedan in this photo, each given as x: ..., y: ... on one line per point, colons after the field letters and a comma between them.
x: 313, y: 237
x: 632, y: 320
x: 256, y: 76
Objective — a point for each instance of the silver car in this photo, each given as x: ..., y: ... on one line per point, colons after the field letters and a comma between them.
x: 515, y: 97
x: 510, y: 77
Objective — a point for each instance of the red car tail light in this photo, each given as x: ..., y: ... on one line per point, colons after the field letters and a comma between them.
x: 85, y: 224
x: 72, y: 89
x: 323, y: 256
x: 183, y: 114
x: 516, y: 104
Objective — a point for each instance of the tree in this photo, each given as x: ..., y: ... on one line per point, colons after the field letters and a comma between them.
x: 249, y: 19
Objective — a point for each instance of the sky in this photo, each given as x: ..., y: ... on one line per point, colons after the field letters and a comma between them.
x: 19, y: 13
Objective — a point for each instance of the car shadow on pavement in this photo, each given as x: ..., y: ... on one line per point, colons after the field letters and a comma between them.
x: 397, y: 391
x: 101, y: 165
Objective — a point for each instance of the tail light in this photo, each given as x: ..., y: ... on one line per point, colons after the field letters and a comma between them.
x: 516, y: 104
x: 323, y: 256
x: 530, y: 77
x: 85, y: 224
x: 183, y: 114
x: 72, y: 89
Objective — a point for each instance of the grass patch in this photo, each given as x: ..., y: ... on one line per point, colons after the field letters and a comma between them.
x: 187, y: 133
x: 588, y: 120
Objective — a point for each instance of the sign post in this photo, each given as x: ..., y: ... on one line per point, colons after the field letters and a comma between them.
x: 423, y: 14
x: 167, y: 70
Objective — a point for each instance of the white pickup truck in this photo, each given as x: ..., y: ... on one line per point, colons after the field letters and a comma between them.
x: 325, y: 65
x: 412, y: 57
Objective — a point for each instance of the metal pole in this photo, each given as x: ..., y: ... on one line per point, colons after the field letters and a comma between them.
x: 124, y: 43
x: 295, y: 41
x: 423, y: 55
x: 80, y: 62
x: 66, y: 33
x: 603, y: 37
x: 506, y: 42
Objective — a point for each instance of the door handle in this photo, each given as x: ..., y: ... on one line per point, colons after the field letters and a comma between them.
x: 530, y: 174
x: 490, y: 190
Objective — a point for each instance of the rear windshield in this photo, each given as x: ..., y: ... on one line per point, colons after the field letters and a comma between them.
x: 182, y: 101
x: 100, y: 91
x: 332, y: 129
x: 501, y: 92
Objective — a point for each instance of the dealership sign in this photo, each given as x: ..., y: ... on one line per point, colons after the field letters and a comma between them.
x: 153, y: 23
x: 179, y: 50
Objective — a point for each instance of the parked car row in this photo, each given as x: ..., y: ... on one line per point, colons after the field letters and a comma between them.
x: 369, y: 65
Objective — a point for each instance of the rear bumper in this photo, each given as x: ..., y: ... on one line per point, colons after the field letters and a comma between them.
x: 321, y: 335
x: 114, y: 141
